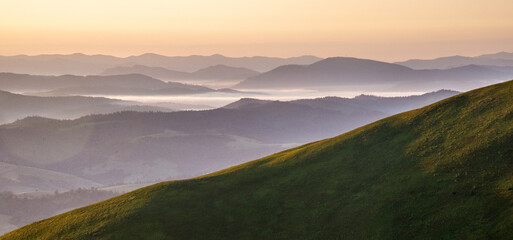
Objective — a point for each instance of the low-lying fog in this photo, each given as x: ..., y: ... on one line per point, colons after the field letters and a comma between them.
x: 218, y: 99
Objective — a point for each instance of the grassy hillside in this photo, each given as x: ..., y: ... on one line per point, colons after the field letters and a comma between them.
x: 441, y: 172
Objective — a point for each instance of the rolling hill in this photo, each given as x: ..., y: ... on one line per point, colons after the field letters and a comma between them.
x: 495, y: 59
x: 129, y: 147
x: 154, y: 72
x: 217, y: 72
x: 17, y: 106
x: 440, y: 172
x: 129, y: 84
x: 388, y: 105
x: 15, y: 178
x: 223, y: 72
x: 352, y: 74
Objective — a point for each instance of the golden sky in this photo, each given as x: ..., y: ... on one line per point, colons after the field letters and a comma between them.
x: 380, y: 29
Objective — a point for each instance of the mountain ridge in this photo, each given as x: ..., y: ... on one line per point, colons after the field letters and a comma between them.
x: 81, y: 64
x: 494, y: 59
x: 215, y: 72
x: 353, y: 74
x: 17, y: 106
x: 127, y: 84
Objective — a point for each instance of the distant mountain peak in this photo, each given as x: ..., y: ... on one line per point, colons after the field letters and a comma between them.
x: 245, y: 103
x: 150, y: 55
x: 494, y: 59
x: 224, y: 69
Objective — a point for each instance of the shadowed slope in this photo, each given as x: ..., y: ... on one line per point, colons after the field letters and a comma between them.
x: 440, y: 172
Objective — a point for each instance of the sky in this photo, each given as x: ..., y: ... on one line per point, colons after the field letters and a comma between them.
x: 389, y: 30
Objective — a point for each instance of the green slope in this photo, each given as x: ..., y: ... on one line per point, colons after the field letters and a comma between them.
x: 441, y: 172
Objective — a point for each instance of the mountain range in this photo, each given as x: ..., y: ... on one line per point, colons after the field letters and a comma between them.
x: 216, y: 72
x: 352, y: 74
x: 81, y: 64
x: 338, y: 73
x: 496, y: 59
x: 129, y: 84
x: 129, y: 147
x: 439, y: 172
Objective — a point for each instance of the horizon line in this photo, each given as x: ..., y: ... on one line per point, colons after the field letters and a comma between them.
x: 222, y: 55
